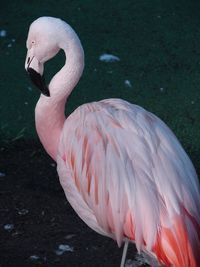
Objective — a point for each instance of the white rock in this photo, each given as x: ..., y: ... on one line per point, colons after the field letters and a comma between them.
x: 23, y: 212
x: 8, y: 227
x: 108, y: 58
x: 142, y: 260
x: 128, y: 83
x: 2, y: 174
x: 3, y: 33
x: 63, y: 248
x: 69, y: 236
x: 34, y: 257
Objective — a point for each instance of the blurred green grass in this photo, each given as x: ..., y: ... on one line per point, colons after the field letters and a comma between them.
x: 158, y: 43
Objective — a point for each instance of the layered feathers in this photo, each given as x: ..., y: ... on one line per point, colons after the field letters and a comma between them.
x: 127, y: 176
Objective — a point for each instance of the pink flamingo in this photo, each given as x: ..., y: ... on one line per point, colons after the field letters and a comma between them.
x: 122, y: 169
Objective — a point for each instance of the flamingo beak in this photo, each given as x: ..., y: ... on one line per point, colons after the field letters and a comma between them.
x: 34, y: 68
x: 38, y: 81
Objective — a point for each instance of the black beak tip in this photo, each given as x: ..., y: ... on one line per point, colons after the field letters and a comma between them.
x: 38, y: 81
x: 46, y: 92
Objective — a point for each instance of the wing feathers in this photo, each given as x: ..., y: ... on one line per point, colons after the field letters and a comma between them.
x: 131, y: 174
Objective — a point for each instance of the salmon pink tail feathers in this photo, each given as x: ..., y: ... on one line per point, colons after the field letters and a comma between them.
x: 179, y: 246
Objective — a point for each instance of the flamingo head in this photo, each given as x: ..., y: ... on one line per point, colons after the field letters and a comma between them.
x: 43, y: 42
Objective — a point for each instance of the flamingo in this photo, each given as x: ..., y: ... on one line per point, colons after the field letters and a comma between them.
x: 121, y: 168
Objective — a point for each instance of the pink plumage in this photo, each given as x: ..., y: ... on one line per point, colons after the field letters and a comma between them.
x: 122, y: 169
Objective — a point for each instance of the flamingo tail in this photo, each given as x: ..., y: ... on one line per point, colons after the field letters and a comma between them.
x: 179, y: 246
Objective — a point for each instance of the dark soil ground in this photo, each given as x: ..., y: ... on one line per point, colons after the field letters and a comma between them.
x: 33, y: 203
x: 34, y: 207
x: 158, y: 46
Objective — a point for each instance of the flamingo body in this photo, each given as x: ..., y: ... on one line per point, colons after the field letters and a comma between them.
x: 125, y: 174
x: 122, y: 169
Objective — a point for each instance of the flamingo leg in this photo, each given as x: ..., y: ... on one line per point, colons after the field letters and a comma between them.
x: 124, y: 253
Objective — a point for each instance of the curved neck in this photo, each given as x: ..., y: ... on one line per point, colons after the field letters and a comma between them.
x: 50, y: 111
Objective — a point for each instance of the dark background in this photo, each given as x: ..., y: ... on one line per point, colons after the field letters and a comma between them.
x: 158, y: 43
